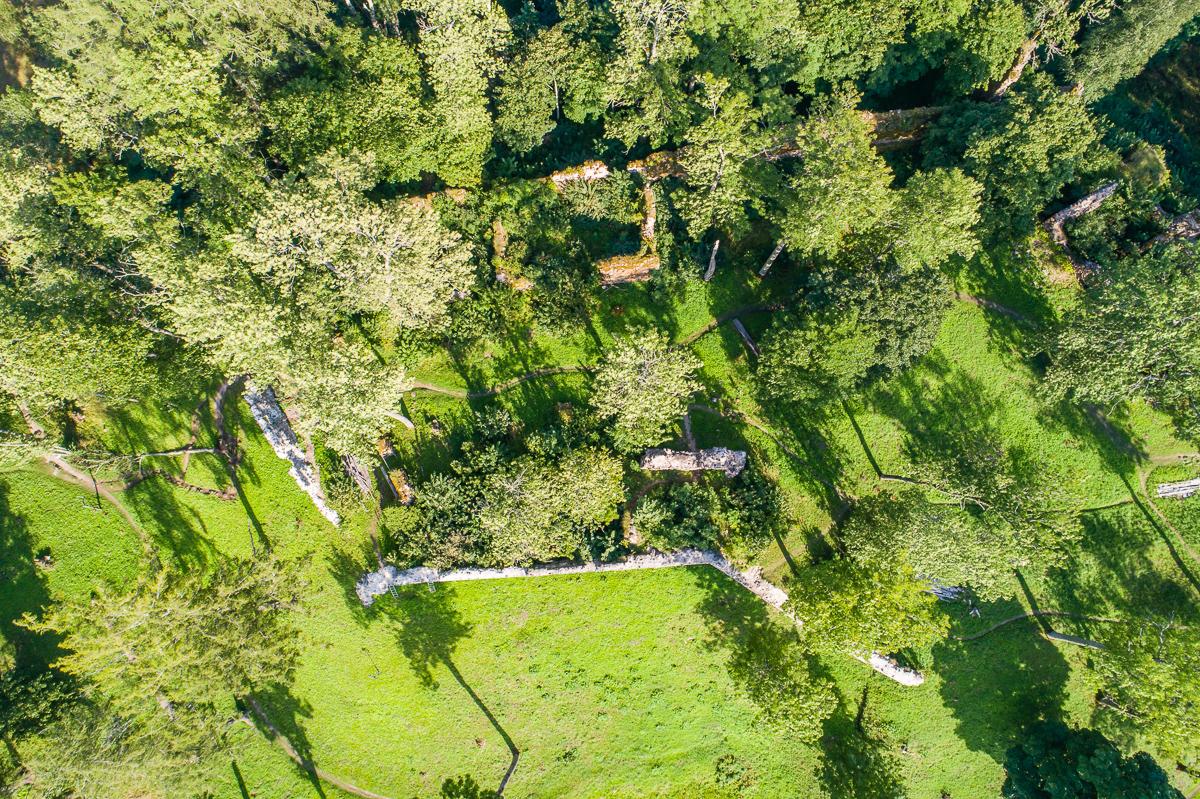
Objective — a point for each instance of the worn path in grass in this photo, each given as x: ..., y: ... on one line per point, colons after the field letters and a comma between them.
x: 64, y: 471
x: 687, y: 340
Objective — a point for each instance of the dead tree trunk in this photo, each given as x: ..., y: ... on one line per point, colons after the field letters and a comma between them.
x: 651, y: 217
x: 1084, y: 268
x: 712, y: 262
x: 745, y: 334
x: 1185, y: 227
x: 359, y: 473
x: 998, y: 89
x: 1081, y: 207
x: 35, y: 429
x: 766, y: 267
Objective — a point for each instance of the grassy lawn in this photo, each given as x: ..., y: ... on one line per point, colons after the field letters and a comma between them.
x: 80, y: 546
x: 639, y: 684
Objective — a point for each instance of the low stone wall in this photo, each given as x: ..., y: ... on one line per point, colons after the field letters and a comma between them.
x: 716, y: 459
x: 278, y: 432
x: 1181, y: 490
x: 379, y: 582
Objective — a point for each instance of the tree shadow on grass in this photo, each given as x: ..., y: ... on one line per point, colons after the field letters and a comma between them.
x: 179, y: 531
x: 24, y: 589
x: 1011, y: 275
x: 464, y: 787
x: 1186, y: 568
x: 997, y: 685
x: 860, y: 759
x: 1109, y: 438
x: 428, y: 628
x: 288, y: 713
x: 346, y: 568
x: 1114, y: 572
x: 766, y: 662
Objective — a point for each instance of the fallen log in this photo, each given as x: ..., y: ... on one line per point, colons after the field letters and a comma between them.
x: 998, y: 89
x: 1185, y: 227
x: 745, y: 334
x: 712, y: 262
x: 1081, y: 207
x: 627, y: 268
x: 766, y: 267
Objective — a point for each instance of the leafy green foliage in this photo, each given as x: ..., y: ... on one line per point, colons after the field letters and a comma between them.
x: 171, y: 655
x: 1137, y: 335
x: 362, y: 95
x: 1119, y: 47
x: 1147, y: 666
x: 558, y: 72
x: 502, y: 509
x: 842, y: 186
x: 844, y: 606
x: 1057, y: 762
x: 943, y: 543
x: 737, y: 515
x: 856, y: 328
x: 1023, y: 149
x: 643, y: 386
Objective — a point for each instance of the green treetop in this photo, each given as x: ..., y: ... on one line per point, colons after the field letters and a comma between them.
x: 643, y: 385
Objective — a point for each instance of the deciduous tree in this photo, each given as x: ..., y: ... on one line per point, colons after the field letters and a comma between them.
x: 171, y: 655
x: 845, y: 606
x: 1054, y: 761
x: 643, y: 385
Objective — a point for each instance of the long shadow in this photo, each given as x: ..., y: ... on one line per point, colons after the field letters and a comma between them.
x: 765, y: 659
x: 1187, y: 572
x: 287, y: 713
x: 24, y: 588
x: 177, y: 529
x: 999, y: 684
x: 860, y: 761
x: 1033, y: 604
x: 428, y: 628
x: 862, y: 440
x: 241, y: 782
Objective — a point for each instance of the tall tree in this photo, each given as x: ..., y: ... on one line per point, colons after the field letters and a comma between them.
x: 559, y: 73
x: 842, y: 185
x: 943, y: 543
x: 363, y: 94
x: 1023, y: 149
x: 1119, y: 47
x: 1148, y: 666
x: 172, y: 654
x: 845, y: 606
x: 724, y: 172
x: 320, y: 241
x: 1054, y: 761
x: 461, y: 42
x: 643, y: 385
x: 527, y: 515
x: 179, y: 88
x: 1137, y: 334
